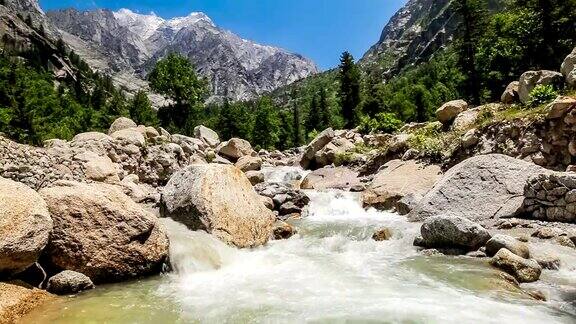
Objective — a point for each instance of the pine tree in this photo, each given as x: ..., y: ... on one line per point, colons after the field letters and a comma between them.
x: 324, y: 110
x: 472, y: 14
x: 313, y: 120
x: 296, y: 125
x: 349, y: 77
x: 285, y: 131
x: 141, y: 110
x: 226, y: 125
x: 267, y: 125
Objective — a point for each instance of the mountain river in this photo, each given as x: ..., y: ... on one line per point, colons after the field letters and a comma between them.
x: 330, y: 272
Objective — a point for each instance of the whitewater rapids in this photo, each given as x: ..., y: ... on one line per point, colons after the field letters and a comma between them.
x: 330, y: 272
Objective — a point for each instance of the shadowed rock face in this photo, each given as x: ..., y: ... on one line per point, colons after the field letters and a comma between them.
x: 122, y: 41
x: 102, y: 233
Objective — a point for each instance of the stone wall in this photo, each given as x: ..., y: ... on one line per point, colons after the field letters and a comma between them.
x: 95, y: 156
x: 551, y: 197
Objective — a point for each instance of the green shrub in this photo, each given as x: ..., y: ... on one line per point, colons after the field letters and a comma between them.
x: 542, y: 94
x: 381, y: 123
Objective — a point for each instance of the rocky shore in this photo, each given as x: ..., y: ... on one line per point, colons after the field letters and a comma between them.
x: 483, y: 182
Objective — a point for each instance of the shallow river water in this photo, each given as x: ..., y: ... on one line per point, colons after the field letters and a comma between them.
x: 330, y: 272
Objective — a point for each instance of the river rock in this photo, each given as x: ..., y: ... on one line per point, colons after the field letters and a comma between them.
x: 220, y: 200
x: 453, y: 232
x: 235, y: 148
x: 18, y: 299
x: 513, y: 245
x: 560, y: 106
x: 102, y: 233
x: 484, y: 187
x: 283, y: 231
x: 130, y: 136
x: 97, y: 167
x: 316, y: 145
x: 249, y: 163
x: 331, y: 178
x: 25, y: 226
x: 398, y: 179
x: 69, y: 282
x: 450, y: 110
x: 255, y: 177
x: 510, y: 95
x: 382, y: 234
x: 524, y: 270
x: 529, y: 80
x: 568, y: 68
x: 207, y: 135
x: 120, y: 124
x: 91, y: 136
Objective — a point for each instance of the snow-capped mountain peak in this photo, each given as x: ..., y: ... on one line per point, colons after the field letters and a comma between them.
x: 125, y: 43
x: 142, y: 25
x: 192, y: 19
x: 146, y: 25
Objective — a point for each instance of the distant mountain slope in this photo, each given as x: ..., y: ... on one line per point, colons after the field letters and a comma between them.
x: 412, y: 35
x: 126, y: 45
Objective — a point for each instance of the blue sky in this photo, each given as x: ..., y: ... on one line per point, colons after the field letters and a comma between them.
x: 318, y: 29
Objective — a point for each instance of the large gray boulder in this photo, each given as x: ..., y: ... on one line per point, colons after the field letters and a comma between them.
x: 568, y: 68
x: 316, y: 145
x: 529, y: 80
x: 120, y: 124
x: 25, y: 226
x: 207, y: 135
x: 398, y: 179
x: 102, y: 233
x: 453, y: 232
x: 331, y: 178
x: 484, y: 187
x: 524, y: 270
x: 220, y: 200
x: 69, y: 282
x: 450, y: 110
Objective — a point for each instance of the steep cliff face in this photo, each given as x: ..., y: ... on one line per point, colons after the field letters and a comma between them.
x: 19, y: 37
x: 127, y: 45
x: 412, y: 35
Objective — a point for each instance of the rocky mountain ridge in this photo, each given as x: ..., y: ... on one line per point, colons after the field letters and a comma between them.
x: 413, y: 34
x: 127, y: 45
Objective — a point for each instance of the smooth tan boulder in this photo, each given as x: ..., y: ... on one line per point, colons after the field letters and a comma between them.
x: 450, y: 110
x: 308, y: 157
x: 235, y: 148
x: 102, y: 233
x: 17, y: 299
x: 98, y: 167
x: 25, y: 226
x: 249, y: 163
x: 524, y: 270
x: 220, y: 200
x: 398, y: 179
x: 120, y: 124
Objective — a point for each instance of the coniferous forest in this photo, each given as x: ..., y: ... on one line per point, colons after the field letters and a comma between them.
x: 493, y: 46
